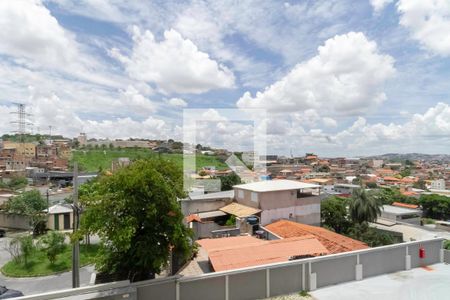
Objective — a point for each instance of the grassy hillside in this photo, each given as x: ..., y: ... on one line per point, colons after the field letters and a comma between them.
x: 93, y: 160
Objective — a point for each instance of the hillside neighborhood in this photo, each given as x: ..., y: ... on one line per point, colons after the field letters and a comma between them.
x: 297, y: 208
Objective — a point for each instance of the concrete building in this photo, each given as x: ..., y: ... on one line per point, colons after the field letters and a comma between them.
x: 60, y: 217
x: 82, y: 139
x: 198, y: 203
x: 282, y: 199
x: 401, y: 214
x: 26, y: 150
x: 438, y: 184
x: 345, y: 188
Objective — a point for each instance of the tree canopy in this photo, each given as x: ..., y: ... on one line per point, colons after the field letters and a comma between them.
x: 334, y: 214
x: 364, y: 207
x: 27, y: 203
x: 435, y: 206
x: 228, y: 181
x: 136, y: 215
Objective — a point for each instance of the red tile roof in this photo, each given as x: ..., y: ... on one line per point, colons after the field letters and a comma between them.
x: 406, y: 205
x: 255, y: 254
x: 389, y: 178
x: 193, y: 218
x: 409, y: 194
x: 335, y: 243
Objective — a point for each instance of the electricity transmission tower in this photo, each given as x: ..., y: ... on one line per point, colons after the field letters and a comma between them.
x: 21, y: 121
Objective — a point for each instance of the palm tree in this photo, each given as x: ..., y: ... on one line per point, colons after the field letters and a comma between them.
x: 364, y: 207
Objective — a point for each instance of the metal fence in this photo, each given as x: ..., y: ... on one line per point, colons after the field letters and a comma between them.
x: 277, y: 279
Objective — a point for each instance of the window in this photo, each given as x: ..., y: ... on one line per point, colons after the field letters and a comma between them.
x: 240, y: 194
x: 254, y: 197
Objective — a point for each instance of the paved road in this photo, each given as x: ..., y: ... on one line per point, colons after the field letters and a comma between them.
x: 36, y: 285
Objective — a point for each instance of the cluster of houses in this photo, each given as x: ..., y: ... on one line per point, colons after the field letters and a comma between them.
x: 17, y: 159
x: 275, y: 216
x: 258, y: 223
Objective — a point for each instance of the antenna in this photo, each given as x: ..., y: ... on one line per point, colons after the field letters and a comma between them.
x: 21, y: 121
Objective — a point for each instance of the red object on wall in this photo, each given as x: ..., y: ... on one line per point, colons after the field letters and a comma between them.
x: 422, y: 252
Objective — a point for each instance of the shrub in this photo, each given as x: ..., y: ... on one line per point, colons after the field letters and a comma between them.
x: 447, y: 244
x: 26, y: 247
x: 53, y: 244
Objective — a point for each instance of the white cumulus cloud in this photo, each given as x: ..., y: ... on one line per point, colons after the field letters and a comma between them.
x: 429, y: 23
x: 379, y: 5
x: 174, y: 64
x: 346, y: 77
x: 177, y: 102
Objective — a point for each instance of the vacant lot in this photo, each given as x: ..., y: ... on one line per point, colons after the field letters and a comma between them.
x: 101, y: 159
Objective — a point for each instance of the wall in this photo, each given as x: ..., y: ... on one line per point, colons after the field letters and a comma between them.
x: 51, y: 221
x: 203, y: 230
x: 447, y: 256
x: 14, y: 221
x: 195, y: 206
x: 280, y: 278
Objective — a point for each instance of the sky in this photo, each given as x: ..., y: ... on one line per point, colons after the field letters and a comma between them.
x: 335, y: 77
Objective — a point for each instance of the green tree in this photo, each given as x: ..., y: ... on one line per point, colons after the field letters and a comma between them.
x: 324, y: 169
x: 137, y: 217
x: 406, y: 172
x: 227, y: 182
x: 371, y: 185
x: 420, y: 184
x: 364, y: 207
x: 29, y: 203
x: 26, y: 248
x: 17, y: 183
x: 371, y: 236
x: 53, y: 245
x: 333, y: 212
x: 435, y: 206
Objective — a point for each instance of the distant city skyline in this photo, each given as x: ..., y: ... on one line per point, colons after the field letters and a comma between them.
x: 338, y: 78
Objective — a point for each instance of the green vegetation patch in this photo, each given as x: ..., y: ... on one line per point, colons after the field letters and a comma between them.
x: 39, y: 265
x: 101, y: 159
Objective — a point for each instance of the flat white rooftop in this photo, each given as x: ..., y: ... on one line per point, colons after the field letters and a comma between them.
x: 414, y: 284
x: 276, y: 185
x: 399, y: 210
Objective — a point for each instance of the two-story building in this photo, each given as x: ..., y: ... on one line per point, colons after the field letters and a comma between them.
x: 281, y: 199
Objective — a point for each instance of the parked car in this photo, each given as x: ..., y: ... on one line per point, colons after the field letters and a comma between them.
x: 7, y: 294
x: 2, y: 232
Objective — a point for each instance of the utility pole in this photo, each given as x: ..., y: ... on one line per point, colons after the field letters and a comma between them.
x: 76, y: 222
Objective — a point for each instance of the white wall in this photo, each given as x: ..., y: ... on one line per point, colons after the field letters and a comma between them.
x: 271, y: 215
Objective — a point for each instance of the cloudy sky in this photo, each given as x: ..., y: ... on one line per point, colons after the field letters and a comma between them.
x: 335, y: 77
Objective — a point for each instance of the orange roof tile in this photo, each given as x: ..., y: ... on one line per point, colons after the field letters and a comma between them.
x: 265, y: 253
x: 409, y: 194
x: 406, y: 205
x: 409, y: 180
x: 335, y: 243
x: 193, y: 218
x: 228, y: 243
x: 390, y: 178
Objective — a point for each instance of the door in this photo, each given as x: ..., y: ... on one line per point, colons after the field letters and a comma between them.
x: 66, y: 221
x: 56, y: 218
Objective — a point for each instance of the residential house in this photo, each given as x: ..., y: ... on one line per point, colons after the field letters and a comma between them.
x: 281, y: 199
